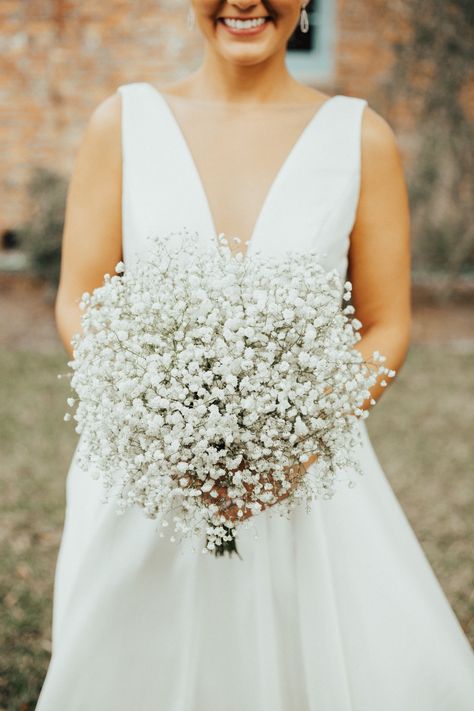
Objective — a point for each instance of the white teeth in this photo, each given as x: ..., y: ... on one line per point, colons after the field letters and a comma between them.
x: 244, y: 24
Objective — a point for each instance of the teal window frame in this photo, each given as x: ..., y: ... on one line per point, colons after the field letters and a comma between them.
x: 317, y: 63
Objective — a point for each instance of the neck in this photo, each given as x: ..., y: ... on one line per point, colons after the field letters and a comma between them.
x: 267, y: 81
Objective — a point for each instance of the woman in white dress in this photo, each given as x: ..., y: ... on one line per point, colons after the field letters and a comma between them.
x: 337, y: 609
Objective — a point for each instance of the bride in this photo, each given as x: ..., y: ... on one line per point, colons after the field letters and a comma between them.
x: 335, y: 609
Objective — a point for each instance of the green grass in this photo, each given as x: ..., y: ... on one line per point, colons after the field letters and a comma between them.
x: 421, y: 430
x: 36, y: 446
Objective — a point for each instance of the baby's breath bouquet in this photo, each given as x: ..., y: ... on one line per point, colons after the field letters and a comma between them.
x: 206, y: 379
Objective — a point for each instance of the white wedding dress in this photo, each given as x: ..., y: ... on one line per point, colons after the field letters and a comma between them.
x: 334, y: 610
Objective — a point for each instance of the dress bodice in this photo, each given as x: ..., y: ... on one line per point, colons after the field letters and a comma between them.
x: 310, y: 204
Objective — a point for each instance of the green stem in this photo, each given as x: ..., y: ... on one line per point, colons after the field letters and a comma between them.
x: 227, y: 547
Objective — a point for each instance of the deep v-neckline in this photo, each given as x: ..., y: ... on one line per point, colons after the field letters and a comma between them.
x: 277, y: 178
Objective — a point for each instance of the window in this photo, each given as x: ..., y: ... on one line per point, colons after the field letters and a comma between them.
x: 309, y: 55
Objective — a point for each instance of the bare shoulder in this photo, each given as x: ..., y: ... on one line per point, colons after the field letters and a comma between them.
x: 98, y: 163
x: 107, y: 113
x: 383, y: 188
x: 104, y: 124
x: 92, y: 230
x: 380, y: 149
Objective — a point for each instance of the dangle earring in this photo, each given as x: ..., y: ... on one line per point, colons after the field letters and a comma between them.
x: 304, y: 20
x: 191, y: 18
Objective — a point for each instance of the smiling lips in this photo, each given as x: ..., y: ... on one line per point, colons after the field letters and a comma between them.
x: 248, y: 26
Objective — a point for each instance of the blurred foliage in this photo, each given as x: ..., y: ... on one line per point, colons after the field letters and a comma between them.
x: 40, y: 238
x: 433, y: 74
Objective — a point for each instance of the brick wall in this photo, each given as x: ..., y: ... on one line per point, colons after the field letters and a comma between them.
x: 60, y: 58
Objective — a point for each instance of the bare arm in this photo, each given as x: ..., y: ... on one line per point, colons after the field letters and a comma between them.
x: 92, y: 237
x: 379, y: 255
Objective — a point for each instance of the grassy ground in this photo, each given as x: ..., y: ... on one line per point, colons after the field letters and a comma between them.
x: 36, y: 445
x: 420, y: 429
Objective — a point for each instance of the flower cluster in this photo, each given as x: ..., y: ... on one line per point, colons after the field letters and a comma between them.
x: 200, y: 370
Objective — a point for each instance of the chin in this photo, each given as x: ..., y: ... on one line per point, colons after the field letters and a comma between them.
x: 243, y: 58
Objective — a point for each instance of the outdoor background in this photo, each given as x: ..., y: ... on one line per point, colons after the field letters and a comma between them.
x: 412, y: 61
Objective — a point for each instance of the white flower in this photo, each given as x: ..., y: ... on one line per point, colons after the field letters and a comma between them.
x: 194, y: 363
x: 300, y: 427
